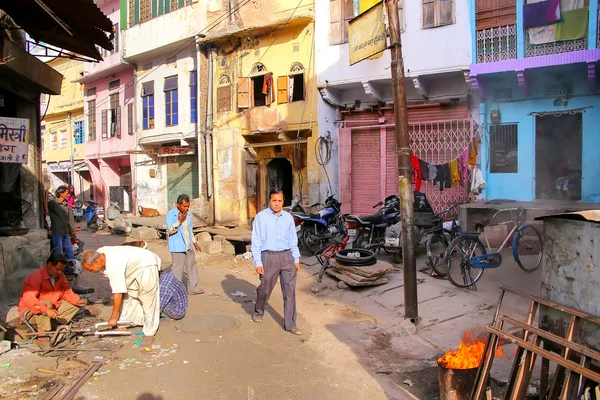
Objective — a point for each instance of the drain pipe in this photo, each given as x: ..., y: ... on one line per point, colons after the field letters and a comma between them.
x: 198, y: 113
x: 208, y: 130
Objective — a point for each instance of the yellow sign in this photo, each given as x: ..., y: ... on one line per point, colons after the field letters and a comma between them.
x: 366, y: 34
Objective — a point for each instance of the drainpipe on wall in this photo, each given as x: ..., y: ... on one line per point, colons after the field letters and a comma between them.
x: 208, y: 130
x: 198, y: 113
x: 231, y: 7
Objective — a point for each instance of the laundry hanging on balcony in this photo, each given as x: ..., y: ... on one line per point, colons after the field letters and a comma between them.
x: 542, y: 13
x: 573, y: 26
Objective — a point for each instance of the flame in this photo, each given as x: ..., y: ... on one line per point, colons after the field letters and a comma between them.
x: 467, y: 356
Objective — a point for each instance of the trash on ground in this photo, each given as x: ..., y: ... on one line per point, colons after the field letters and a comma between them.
x: 4, y: 366
x: 239, y: 294
x: 408, y: 382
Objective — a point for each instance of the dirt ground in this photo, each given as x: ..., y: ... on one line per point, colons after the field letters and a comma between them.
x: 217, y: 351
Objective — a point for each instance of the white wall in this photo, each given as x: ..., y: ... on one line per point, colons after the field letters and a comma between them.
x: 425, y: 51
x: 327, y: 115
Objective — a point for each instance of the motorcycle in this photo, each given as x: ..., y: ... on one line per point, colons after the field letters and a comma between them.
x: 316, y: 230
x: 94, y: 215
x: 369, y: 231
x: 423, y: 223
x: 78, y: 210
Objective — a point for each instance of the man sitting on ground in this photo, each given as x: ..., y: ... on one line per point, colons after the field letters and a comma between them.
x: 47, y: 296
x: 173, y: 296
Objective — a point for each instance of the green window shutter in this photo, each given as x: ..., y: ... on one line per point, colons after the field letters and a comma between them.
x: 182, y: 177
x: 154, y: 8
x: 136, y: 12
x: 181, y: 3
x: 161, y: 7
x: 123, y: 13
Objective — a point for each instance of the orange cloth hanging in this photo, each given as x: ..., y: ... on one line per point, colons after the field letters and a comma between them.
x: 472, y: 153
x: 454, y: 175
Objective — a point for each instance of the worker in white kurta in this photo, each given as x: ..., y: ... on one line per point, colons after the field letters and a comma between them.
x: 133, y: 276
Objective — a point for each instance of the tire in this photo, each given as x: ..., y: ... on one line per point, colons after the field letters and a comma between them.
x: 528, y: 248
x: 310, y: 242
x: 437, y: 244
x: 458, y: 258
x: 367, y: 257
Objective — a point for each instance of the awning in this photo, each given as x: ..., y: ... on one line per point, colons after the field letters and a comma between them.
x: 81, y: 166
x: 157, y: 140
x: 75, y: 25
x: 276, y: 143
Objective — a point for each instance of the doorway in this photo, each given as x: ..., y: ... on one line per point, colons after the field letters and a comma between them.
x: 252, y: 189
x: 558, y: 147
x: 280, y: 176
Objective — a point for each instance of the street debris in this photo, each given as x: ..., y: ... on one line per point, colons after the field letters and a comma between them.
x: 4, y: 366
x: 239, y: 294
x: 5, y: 346
x: 247, y: 255
x: 408, y: 382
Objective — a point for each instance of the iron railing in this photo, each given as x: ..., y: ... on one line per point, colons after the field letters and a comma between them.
x: 536, y: 50
x: 497, y: 44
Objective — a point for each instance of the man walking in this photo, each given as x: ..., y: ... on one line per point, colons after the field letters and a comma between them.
x: 133, y: 276
x: 275, y: 253
x: 182, y: 244
x: 62, y: 222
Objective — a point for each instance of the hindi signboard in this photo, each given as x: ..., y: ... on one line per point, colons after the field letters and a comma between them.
x: 366, y: 34
x: 14, y: 140
x: 166, y: 151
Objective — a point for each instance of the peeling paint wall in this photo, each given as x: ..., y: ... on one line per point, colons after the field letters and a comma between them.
x: 277, y: 47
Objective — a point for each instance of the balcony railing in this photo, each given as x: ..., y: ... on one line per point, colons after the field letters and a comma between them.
x: 497, y: 44
x: 535, y: 50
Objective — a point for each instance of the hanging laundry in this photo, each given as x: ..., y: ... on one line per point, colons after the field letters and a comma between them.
x: 432, y: 172
x: 424, y: 170
x: 454, y: 175
x: 472, y: 152
x: 462, y: 167
x: 573, y: 26
x: 416, y: 172
x: 443, y: 177
x: 542, y: 34
x: 542, y: 13
x: 477, y: 181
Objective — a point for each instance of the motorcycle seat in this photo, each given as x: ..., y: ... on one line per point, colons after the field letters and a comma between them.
x: 369, y: 219
x: 315, y: 216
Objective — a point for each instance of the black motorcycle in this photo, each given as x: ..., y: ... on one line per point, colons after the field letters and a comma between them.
x: 316, y: 230
x: 368, y: 231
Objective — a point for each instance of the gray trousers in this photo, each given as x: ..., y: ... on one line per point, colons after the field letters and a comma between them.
x: 186, y: 262
x: 278, y: 264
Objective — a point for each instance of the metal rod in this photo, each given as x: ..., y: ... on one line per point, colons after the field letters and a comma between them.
x: 70, y: 394
x: 404, y: 165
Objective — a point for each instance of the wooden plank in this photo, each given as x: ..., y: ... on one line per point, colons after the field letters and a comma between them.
x: 546, y: 354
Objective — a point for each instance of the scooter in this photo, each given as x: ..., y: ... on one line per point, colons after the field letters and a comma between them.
x: 94, y: 216
x: 78, y: 210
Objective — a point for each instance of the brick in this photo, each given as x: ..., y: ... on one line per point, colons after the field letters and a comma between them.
x: 212, y: 248
x: 203, y: 237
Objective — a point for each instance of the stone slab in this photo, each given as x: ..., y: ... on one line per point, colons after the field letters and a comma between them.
x: 211, y: 247
x: 144, y: 233
x: 375, y: 270
x: 346, y: 279
x: 358, y: 278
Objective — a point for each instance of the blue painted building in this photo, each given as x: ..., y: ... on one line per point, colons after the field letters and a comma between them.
x: 540, y: 104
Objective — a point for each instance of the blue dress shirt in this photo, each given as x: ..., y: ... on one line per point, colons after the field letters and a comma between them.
x: 275, y: 233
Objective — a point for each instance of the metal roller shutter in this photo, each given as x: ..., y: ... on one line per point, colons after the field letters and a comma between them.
x: 366, y: 170
x: 182, y: 177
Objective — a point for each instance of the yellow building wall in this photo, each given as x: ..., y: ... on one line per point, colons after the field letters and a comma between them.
x: 234, y: 129
x: 63, y: 111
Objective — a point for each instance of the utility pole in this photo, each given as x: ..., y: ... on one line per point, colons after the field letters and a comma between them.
x: 404, y: 164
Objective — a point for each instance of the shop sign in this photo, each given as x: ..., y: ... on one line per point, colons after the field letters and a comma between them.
x: 14, y: 140
x: 176, y: 151
x: 366, y: 34
x: 63, y: 166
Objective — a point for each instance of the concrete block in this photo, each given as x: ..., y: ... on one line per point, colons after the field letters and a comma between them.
x: 220, y: 238
x: 228, y: 248
x: 36, y: 235
x: 212, y: 248
x: 33, y: 255
x: 120, y: 226
x: 144, y: 233
x: 203, y: 237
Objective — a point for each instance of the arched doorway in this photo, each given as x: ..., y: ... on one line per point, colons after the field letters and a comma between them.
x: 280, y: 175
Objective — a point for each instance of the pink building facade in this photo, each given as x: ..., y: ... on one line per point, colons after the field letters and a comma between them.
x: 110, y: 114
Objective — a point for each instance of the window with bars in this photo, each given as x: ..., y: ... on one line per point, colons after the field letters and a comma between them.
x: 504, y: 149
x: 148, y: 105
x: 193, y: 96
x: 438, y: 13
x: 171, y: 101
x: 112, y: 85
x: 78, y: 133
x: 130, y: 111
x: 91, y: 120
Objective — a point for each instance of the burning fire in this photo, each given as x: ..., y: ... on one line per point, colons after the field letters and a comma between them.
x: 467, y: 356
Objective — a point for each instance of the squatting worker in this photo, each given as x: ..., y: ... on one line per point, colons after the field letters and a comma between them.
x: 48, y: 297
x: 182, y: 244
x: 275, y: 252
x: 133, y: 276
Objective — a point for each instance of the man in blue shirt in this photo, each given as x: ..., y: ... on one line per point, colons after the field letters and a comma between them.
x: 182, y: 244
x: 275, y: 253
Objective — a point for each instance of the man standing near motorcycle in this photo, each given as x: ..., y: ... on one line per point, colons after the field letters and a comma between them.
x: 62, y: 223
x: 182, y: 244
x: 275, y: 253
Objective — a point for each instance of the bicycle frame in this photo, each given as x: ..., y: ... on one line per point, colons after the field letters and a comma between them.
x: 515, y: 220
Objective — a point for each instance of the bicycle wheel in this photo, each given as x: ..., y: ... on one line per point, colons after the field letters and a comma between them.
x: 458, y: 258
x: 528, y: 248
x: 436, y: 247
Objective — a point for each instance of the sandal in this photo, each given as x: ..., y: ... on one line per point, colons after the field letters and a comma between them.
x: 257, y: 318
x: 296, y: 331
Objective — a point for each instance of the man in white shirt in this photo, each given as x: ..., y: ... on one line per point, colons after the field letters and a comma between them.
x: 133, y: 276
